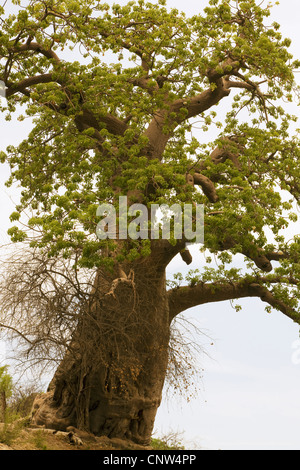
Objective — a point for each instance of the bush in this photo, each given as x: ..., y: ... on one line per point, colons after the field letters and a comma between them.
x: 10, y: 431
x: 170, y: 441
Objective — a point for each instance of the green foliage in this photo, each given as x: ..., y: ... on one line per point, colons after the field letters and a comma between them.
x: 39, y: 440
x: 10, y: 428
x: 170, y: 441
x: 6, y: 382
x: 9, y: 432
x: 106, y: 74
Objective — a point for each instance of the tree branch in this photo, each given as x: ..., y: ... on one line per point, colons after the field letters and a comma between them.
x: 22, y: 86
x: 207, y: 186
x: 35, y: 47
x: 87, y: 119
x: 183, y: 298
x: 261, y: 258
x: 194, y: 106
x: 83, y: 121
x: 228, y: 150
x: 145, y: 83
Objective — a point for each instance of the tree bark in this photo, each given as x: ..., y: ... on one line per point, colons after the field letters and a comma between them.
x: 111, y: 379
x: 2, y: 405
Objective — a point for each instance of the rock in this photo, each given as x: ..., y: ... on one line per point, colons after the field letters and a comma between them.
x: 74, y: 439
x: 84, y: 435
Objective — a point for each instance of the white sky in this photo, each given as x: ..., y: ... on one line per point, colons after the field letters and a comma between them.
x: 249, y: 395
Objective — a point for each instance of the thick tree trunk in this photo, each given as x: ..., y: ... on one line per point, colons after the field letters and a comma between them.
x: 110, y: 381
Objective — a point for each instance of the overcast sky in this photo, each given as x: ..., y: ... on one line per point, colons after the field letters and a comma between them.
x: 248, y: 397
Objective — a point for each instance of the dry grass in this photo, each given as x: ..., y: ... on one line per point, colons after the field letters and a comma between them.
x: 18, y: 437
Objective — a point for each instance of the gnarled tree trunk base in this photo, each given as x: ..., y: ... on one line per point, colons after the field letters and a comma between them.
x: 111, y: 379
x: 46, y: 413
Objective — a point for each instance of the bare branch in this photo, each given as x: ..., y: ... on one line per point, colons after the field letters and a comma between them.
x: 183, y: 298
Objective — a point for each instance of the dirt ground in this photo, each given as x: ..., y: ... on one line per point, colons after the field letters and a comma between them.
x: 14, y: 438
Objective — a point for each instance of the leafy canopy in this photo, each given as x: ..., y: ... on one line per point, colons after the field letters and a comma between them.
x: 134, y: 100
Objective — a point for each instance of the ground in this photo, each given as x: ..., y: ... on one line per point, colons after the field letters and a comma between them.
x: 19, y: 437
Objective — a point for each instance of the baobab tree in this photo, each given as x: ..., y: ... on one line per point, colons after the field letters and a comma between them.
x: 116, y: 94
